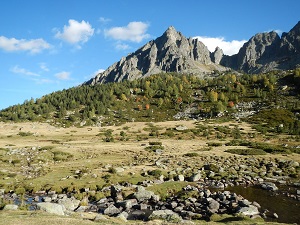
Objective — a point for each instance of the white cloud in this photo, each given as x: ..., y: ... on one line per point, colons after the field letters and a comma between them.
x: 63, y: 75
x: 104, y: 20
x: 122, y: 47
x: 18, y: 70
x: 43, y: 81
x: 279, y: 32
x: 134, y: 31
x: 76, y: 32
x: 33, y: 46
x: 228, y: 47
x: 44, y: 67
x: 97, y: 72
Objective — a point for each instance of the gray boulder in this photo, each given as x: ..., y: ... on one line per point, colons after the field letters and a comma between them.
x: 195, y: 177
x: 142, y: 194
x: 167, y: 215
x: 213, y: 205
x: 52, y: 208
x: 269, y: 186
x: 10, y: 207
x: 70, y: 203
x: 112, y: 211
x: 180, y: 177
x: 250, y: 210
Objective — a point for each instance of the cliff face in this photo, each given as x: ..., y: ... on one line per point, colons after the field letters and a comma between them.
x: 172, y: 52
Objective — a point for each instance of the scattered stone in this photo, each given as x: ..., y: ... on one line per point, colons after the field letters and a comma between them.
x: 181, y: 128
x: 195, y: 177
x: 180, y: 178
x: 119, y: 170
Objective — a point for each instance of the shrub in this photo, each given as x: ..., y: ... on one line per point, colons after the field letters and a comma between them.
x: 155, y: 143
x: 25, y: 134
x: 155, y: 173
x: 238, y: 142
x: 214, y: 144
x: 247, y: 151
x: 112, y: 170
x: 191, y: 154
x: 61, y: 156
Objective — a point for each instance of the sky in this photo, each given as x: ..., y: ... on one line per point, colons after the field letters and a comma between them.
x: 51, y: 45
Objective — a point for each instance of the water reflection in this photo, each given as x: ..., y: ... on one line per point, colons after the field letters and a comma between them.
x: 287, y: 209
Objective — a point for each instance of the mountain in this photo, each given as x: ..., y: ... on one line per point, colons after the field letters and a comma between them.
x: 172, y: 52
x: 267, y: 51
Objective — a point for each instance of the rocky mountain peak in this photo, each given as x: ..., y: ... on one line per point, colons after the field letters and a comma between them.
x: 171, y: 52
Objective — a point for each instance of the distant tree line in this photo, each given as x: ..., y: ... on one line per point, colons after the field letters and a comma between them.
x: 165, y: 93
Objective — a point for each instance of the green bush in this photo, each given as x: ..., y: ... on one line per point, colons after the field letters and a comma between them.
x: 247, y: 151
x: 155, y: 143
x: 155, y: 173
x: 25, y: 134
x: 214, y: 144
x: 61, y: 156
x: 191, y: 154
x: 112, y: 170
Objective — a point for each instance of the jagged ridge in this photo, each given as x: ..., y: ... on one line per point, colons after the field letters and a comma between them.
x: 172, y: 52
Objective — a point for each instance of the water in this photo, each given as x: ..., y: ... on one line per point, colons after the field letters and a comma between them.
x: 287, y: 209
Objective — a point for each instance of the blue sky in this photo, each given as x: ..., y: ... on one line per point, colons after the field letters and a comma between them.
x: 50, y: 45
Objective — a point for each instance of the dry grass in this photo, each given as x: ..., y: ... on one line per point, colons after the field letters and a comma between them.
x: 94, y: 156
x: 37, y: 218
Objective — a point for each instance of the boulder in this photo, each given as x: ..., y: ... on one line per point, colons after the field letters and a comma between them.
x: 142, y: 194
x: 213, y: 205
x: 70, y: 203
x: 46, y: 199
x: 52, y: 208
x: 195, y: 177
x: 167, y: 215
x: 100, y: 217
x: 123, y: 216
x: 250, y: 210
x: 269, y: 186
x: 10, y: 207
x: 180, y: 177
x: 111, y: 210
x: 127, y: 204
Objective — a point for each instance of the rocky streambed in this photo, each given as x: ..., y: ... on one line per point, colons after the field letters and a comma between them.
x: 216, y: 186
x: 198, y: 201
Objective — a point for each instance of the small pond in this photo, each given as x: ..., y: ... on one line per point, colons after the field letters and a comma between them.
x: 287, y: 209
